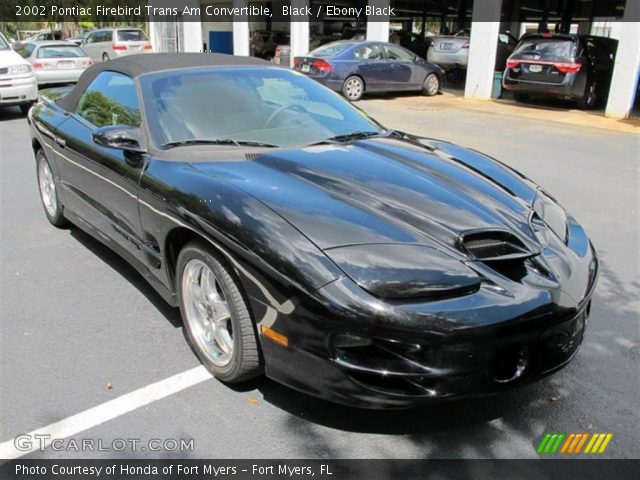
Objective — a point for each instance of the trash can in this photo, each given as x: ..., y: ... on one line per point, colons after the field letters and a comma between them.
x: 496, y: 91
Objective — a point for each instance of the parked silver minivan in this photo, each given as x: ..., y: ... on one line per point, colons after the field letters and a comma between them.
x: 106, y: 44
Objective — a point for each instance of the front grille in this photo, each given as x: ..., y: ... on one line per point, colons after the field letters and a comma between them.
x: 487, y: 246
x: 4, y: 71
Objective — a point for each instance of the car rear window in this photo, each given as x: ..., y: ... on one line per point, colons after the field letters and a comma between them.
x: 330, y: 50
x: 131, y: 36
x: 547, y: 48
x: 61, y: 51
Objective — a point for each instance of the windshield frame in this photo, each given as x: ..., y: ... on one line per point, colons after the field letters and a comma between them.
x: 146, y: 99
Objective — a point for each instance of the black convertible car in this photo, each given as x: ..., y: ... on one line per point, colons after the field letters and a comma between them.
x: 302, y: 239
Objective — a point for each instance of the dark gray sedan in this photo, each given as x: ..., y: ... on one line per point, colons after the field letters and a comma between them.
x: 358, y: 67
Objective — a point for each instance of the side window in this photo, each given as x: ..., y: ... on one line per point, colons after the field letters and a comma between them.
x: 26, y: 50
x: 397, y: 53
x: 108, y: 36
x: 369, y: 52
x: 111, y: 99
x: 89, y: 38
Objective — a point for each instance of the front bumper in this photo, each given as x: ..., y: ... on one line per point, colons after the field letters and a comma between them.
x: 474, y: 345
x: 18, y: 90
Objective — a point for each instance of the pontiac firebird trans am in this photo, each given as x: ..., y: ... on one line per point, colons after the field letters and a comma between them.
x: 302, y: 239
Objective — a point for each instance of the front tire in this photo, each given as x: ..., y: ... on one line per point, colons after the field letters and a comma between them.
x: 353, y: 88
x: 431, y: 85
x: 53, y: 208
x: 215, y: 315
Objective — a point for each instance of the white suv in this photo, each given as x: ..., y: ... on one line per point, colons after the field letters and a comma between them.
x: 18, y: 83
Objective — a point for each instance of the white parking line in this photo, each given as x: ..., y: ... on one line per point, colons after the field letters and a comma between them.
x: 109, y: 410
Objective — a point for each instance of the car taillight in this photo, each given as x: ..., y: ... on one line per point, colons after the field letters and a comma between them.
x: 40, y: 65
x: 568, y: 67
x: 296, y: 62
x: 513, y: 63
x: 148, y: 46
x: 466, y: 45
x: 36, y: 65
x: 322, y: 66
x: 119, y: 47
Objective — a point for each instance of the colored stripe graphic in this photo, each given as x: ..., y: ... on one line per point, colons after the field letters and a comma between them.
x: 573, y: 443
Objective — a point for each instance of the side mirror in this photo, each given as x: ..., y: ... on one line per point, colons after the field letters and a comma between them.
x: 120, y: 137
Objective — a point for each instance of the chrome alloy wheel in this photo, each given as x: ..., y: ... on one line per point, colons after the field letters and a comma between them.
x: 47, y: 188
x: 353, y: 89
x: 207, y: 312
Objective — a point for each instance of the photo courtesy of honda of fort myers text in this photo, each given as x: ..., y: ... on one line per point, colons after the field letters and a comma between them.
x: 328, y: 239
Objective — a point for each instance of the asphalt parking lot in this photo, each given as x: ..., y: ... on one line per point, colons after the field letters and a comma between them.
x: 80, y: 328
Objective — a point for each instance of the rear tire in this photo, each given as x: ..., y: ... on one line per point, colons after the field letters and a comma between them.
x: 48, y: 188
x: 216, y: 318
x: 431, y: 85
x: 521, y: 97
x: 590, y: 98
x: 353, y: 88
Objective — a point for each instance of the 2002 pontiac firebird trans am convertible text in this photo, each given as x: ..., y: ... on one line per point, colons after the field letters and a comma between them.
x: 302, y: 239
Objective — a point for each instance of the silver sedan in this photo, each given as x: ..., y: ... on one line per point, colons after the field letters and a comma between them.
x: 55, y: 62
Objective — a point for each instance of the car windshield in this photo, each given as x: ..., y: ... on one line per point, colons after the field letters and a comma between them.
x: 546, y: 48
x: 331, y: 49
x: 131, y: 36
x: 61, y: 51
x: 3, y: 43
x: 261, y: 105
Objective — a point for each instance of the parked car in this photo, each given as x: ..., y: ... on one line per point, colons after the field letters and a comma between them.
x: 355, y: 68
x: 283, y: 52
x: 18, y: 84
x: 44, y: 35
x: 78, y: 40
x: 302, y: 239
x: 263, y: 43
x: 453, y: 51
x: 106, y: 44
x: 572, y: 67
x: 418, y: 44
x: 55, y: 62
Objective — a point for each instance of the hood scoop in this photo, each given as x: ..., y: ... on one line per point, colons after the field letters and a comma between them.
x: 493, y: 245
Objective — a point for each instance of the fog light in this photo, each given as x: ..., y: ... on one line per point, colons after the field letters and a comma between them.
x: 346, y: 340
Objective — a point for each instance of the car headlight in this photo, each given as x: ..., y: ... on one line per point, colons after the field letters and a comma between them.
x: 552, y: 214
x: 18, y: 69
x: 398, y: 271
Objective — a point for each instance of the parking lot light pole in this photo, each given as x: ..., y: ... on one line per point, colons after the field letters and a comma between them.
x: 483, y: 46
x: 627, y: 64
x: 241, y: 31
x: 299, y: 30
x: 378, y: 25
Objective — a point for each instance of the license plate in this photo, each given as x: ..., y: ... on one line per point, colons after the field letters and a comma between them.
x: 306, y: 68
x: 135, y: 47
x: 446, y: 46
x: 535, y: 68
x: 66, y: 65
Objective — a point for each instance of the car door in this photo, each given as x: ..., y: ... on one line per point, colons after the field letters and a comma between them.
x: 101, y: 183
x: 601, y: 60
x: 372, y: 66
x: 402, y: 73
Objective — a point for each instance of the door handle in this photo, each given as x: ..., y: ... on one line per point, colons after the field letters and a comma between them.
x: 60, y: 141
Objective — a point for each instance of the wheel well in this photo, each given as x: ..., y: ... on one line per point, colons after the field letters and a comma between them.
x: 175, y: 241
x: 35, y: 144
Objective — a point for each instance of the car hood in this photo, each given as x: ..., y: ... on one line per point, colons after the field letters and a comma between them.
x: 385, y: 190
x: 9, y: 58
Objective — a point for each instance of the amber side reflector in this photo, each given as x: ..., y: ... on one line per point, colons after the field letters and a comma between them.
x: 275, y: 336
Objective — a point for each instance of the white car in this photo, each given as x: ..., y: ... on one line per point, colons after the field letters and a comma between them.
x: 55, y: 62
x: 109, y: 43
x: 18, y: 83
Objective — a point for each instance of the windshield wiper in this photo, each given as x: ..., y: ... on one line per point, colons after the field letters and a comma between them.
x: 217, y: 141
x: 354, y: 136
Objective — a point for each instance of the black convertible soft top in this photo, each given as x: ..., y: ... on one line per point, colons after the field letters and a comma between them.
x: 136, y: 65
